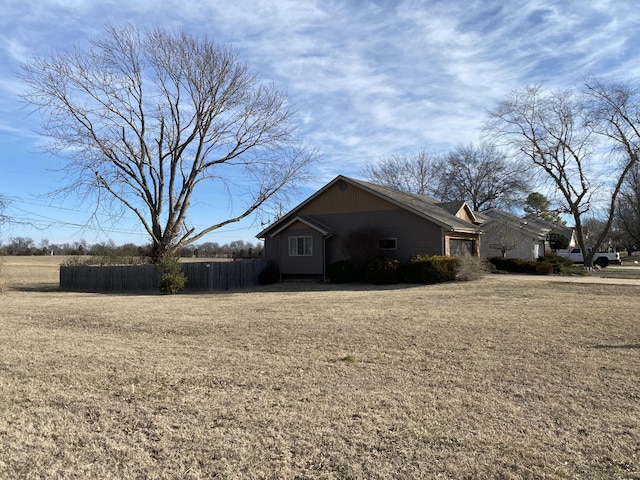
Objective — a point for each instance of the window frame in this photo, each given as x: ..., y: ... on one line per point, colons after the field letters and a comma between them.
x: 388, y: 239
x: 294, y: 246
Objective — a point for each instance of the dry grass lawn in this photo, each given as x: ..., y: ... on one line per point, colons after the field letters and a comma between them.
x: 497, y: 378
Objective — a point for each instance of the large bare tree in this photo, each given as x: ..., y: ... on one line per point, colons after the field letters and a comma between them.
x: 146, y: 118
x: 627, y: 218
x: 585, y: 143
x: 417, y: 173
x: 3, y: 206
x: 483, y: 176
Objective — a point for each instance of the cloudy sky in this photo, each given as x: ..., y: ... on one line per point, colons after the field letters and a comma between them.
x: 368, y: 78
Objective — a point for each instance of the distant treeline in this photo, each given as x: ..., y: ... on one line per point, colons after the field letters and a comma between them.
x: 27, y: 246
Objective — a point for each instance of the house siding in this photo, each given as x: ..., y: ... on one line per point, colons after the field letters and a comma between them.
x: 345, y: 198
x: 525, y: 248
x: 296, y: 265
x: 464, y: 215
x: 353, y: 208
x: 413, y: 234
x: 342, y: 208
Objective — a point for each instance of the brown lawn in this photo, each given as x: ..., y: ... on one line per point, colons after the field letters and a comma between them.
x: 497, y: 378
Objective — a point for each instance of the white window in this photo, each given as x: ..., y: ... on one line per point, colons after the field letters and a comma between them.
x: 387, y: 244
x: 300, y: 246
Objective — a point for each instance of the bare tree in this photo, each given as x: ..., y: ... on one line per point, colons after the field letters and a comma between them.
x: 3, y: 207
x: 483, y: 176
x: 614, y: 114
x: 145, y: 118
x: 627, y: 218
x: 417, y: 173
x: 504, y: 237
x: 555, y: 131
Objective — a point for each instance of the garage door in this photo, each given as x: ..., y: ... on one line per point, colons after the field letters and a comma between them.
x: 459, y: 247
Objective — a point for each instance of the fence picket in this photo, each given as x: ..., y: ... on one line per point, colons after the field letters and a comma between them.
x: 202, y: 277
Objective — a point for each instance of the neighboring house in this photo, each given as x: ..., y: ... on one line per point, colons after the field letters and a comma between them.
x: 555, y: 231
x: 510, y: 236
x: 305, y: 241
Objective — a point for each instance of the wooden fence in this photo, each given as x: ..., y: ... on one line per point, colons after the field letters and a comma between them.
x: 202, y: 277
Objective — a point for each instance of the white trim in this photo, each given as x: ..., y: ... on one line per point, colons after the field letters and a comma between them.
x: 300, y: 246
x: 395, y: 243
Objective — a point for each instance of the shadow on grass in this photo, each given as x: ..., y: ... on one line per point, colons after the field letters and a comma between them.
x: 630, y: 346
x: 36, y: 288
x: 285, y: 287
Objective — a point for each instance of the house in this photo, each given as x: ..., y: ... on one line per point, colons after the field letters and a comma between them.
x: 510, y: 236
x: 559, y: 236
x: 305, y: 241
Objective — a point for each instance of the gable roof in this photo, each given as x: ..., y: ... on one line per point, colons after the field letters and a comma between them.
x: 556, y: 228
x: 421, y: 205
x: 454, y: 207
x: 308, y: 221
x: 533, y: 228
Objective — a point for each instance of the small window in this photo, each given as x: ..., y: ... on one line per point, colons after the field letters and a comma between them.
x: 388, y: 244
x: 300, y: 246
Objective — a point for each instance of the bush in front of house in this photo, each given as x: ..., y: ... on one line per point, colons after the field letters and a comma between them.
x: 424, y: 269
x: 429, y: 269
x: 269, y: 275
x: 343, y: 271
x: 472, y: 268
x: 511, y: 265
x: 517, y: 265
x: 561, y: 265
x: 544, y: 268
x: 361, y: 247
x: 383, y: 271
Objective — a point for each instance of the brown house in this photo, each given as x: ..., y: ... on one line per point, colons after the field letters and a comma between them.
x: 310, y: 237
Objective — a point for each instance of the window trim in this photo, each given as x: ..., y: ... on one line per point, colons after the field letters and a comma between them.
x: 307, y: 246
x: 388, y: 239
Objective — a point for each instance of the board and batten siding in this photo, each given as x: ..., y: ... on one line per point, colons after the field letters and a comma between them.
x: 300, y: 265
x: 344, y: 208
x: 345, y: 198
x: 413, y: 234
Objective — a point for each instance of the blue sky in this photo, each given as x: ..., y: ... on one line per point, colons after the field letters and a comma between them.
x: 368, y: 78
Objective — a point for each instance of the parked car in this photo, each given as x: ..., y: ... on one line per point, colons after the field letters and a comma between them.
x: 602, y: 259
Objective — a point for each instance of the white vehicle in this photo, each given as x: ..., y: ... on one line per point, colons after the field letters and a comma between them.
x: 602, y: 259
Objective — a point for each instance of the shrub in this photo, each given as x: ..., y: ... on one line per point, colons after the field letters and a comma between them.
x: 342, y: 271
x: 517, y: 265
x: 561, y: 265
x: 102, y: 260
x: 544, y: 268
x: 472, y: 268
x: 361, y: 246
x: 173, y: 278
x: 383, y: 271
x: 429, y: 269
x: 269, y: 275
x: 503, y: 264
x: 348, y: 359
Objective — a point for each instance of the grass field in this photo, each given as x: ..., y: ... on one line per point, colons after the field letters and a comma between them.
x: 500, y: 378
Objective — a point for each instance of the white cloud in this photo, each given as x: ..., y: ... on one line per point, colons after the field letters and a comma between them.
x: 368, y: 78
